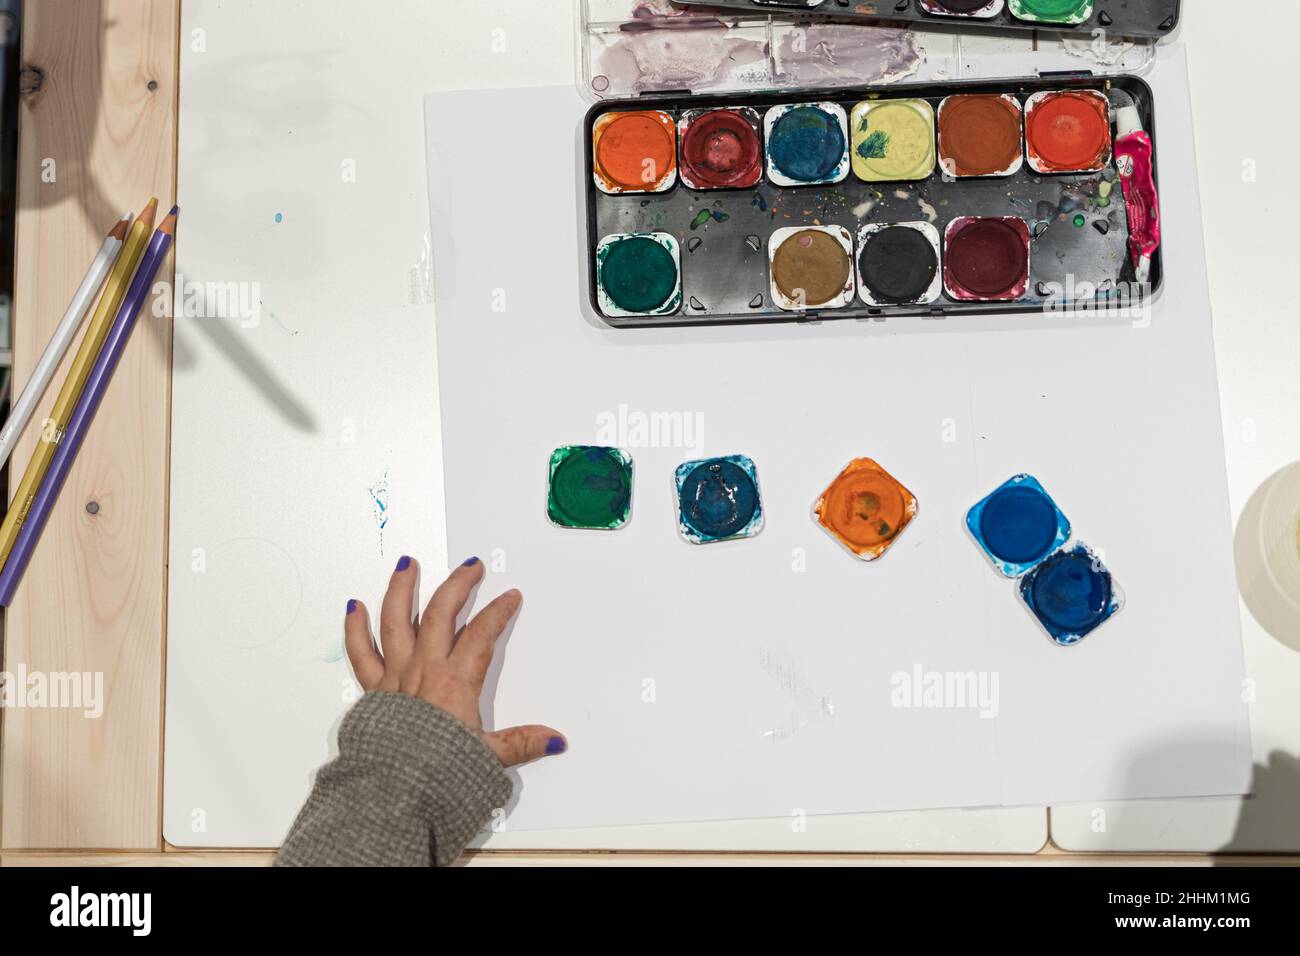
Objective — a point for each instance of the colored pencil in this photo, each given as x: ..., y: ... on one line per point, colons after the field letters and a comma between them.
x: 49, y: 361
x: 109, y: 302
x: 82, y: 416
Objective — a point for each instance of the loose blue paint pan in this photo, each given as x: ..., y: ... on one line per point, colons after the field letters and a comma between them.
x: 718, y: 499
x: 1018, y: 525
x: 1072, y: 594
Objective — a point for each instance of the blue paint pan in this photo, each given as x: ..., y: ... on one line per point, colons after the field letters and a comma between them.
x: 1018, y: 525
x: 718, y: 499
x: 1072, y: 594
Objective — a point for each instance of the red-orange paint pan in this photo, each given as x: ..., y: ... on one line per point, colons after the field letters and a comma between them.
x: 1067, y: 132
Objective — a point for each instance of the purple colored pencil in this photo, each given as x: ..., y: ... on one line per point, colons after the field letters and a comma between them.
x: 101, y: 373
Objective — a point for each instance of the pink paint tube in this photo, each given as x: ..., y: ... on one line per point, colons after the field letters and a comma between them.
x: 1133, y: 153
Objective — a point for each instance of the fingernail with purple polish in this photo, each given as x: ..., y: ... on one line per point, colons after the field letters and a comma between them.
x: 403, y: 563
x: 352, y: 605
x: 555, y: 745
x: 469, y: 562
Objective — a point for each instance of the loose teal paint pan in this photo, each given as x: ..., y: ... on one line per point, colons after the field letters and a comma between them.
x: 718, y: 499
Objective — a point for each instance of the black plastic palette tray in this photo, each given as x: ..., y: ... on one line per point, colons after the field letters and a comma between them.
x: 724, y: 270
x: 1124, y: 18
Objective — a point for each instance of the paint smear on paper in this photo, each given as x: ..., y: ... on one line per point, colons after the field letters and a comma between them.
x: 379, y: 506
x: 807, y: 704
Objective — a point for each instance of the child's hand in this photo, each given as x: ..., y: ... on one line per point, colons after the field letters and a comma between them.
x: 429, y: 659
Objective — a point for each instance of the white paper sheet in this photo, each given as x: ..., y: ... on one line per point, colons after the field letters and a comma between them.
x: 754, y: 678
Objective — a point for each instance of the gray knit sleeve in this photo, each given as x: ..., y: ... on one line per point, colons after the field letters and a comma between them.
x: 411, y: 786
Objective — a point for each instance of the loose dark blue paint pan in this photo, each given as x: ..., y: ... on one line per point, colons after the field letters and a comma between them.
x: 718, y: 499
x: 1072, y: 594
x: 1018, y: 525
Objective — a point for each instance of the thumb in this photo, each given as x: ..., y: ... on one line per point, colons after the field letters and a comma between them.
x: 516, y: 745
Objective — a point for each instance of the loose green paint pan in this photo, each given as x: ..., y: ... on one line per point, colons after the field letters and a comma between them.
x: 639, y: 274
x: 590, y: 486
x: 1051, y: 11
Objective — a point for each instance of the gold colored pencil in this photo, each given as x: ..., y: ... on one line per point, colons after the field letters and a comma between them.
x: 52, y: 430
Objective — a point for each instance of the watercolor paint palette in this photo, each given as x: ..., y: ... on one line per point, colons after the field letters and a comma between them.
x: 923, y: 199
x: 1123, y: 18
x: 1024, y: 533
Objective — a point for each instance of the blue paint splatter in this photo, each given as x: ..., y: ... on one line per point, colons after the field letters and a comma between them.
x: 718, y: 499
x: 1018, y: 525
x: 1071, y: 594
x: 807, y: 144
x: 279, y: 217
x: 379, y: 506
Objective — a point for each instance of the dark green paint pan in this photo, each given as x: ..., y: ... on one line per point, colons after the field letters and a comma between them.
x: 639, y: 274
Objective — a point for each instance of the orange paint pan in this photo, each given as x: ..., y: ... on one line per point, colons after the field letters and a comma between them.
x: 634, y: 152
x: 865, y: 509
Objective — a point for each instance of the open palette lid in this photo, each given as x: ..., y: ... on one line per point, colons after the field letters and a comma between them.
x: 1138, y: 19
x: 637, y: 47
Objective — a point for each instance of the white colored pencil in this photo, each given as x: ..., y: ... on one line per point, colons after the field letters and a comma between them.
x: 62, y: 338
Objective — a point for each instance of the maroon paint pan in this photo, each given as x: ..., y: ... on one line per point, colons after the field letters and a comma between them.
x: 986, y: 258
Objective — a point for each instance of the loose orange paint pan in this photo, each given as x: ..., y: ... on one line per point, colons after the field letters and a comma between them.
x: 1067, y: 132
x: 634, y: 152
x: 865, y: 509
